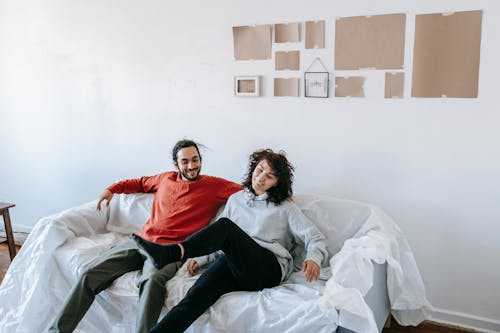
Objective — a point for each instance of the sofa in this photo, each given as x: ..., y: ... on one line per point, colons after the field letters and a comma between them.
x: 372, y: 274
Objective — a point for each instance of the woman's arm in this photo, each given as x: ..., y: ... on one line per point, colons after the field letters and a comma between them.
x: 313, y: 240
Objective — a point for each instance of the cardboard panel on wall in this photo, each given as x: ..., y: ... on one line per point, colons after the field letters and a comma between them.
x: 446, y: 55
x: 315, y: 34
x: 394, y: 85
x: 352, y: 86
x: 252, y: 42
x: 287, y: 60
x: 370, y: 42
x: 286, y: 87
x: 286, y: 32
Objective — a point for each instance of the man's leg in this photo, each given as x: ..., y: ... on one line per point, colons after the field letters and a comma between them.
x: 216, y: 281
x: 97, y: 276
x: 152, y: 294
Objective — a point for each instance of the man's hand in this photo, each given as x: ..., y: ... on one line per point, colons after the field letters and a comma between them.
x: 106, y: 195
x: 192, y: 267
x: 311, y: 270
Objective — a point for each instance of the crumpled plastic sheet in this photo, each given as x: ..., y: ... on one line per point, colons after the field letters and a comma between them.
x: 54, y: 253
x: 379, y: 240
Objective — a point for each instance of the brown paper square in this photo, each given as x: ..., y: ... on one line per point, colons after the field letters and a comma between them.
x: 286, y: 33
x: 394, y: 84
x: 287, y: 60
x: 349, y: 86
x: 252, y: 42
x: 286, y: 87
x: 446, y: 55
x: 315, y: 34
x: 370, y: 42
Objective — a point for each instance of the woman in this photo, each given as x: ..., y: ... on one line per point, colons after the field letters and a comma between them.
x: 259, y: 227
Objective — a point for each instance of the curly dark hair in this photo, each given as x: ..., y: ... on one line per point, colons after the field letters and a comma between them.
x: 281, y: 167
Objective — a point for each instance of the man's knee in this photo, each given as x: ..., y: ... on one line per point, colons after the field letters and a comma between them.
x: 88, y: 281
x: 156, y: 278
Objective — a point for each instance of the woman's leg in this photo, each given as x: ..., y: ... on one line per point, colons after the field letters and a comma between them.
x: 244, y: 253
x: 253, y: 266
x: 216, y: 281
x: 245, y: 266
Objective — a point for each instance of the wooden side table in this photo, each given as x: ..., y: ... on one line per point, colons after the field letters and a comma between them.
x: 4, y: 211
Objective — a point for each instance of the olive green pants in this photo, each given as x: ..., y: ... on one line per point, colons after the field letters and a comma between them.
x: 100, y: 273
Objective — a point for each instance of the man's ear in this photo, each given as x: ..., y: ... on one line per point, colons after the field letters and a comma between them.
x: 176, y: 164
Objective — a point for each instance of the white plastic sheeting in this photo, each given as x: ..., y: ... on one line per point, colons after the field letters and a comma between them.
x: 49, y: 262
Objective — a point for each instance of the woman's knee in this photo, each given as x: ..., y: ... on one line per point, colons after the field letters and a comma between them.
x: 225, y: 220
x: 229, y: 224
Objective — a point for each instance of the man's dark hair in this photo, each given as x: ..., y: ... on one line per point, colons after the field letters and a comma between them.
x: 281, y: 168
x: 184, y: 144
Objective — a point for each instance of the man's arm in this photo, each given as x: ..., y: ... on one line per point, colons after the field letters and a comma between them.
x: 106, y: 195
x: 128, y: 186
x: 226, y: 188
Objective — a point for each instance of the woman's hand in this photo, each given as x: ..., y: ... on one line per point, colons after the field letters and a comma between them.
x: 192, y: 267
x: 311, y: 270
x: 106, y: 195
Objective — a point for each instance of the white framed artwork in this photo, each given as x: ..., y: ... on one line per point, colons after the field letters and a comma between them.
x: 247, y: 85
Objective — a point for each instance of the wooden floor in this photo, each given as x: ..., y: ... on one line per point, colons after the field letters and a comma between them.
x: 425, y: 327
x: 4, y: 259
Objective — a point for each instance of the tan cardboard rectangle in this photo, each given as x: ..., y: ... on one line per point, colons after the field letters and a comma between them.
x: 446, y: 55
x: 394, y: 85
x: 370, y: 42
x: 315, y: 34
x: 252, y: 42
x: 287, y: 60
x: 286, y: 87
x: 349, y: 86
x: 286, y: 32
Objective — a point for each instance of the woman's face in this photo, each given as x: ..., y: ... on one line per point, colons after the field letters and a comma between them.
x: 263, y: 178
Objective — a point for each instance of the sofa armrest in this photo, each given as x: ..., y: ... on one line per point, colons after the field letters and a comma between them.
x: 80, y: 220
x: 377, y: 298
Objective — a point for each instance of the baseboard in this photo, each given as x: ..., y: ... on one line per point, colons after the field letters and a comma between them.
x: 22, y: 228
x: 466, y: 321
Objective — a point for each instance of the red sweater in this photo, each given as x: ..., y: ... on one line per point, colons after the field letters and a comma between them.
x: 180, y: 207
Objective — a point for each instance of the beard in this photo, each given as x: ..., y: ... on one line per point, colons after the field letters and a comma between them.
x: 185, y: 174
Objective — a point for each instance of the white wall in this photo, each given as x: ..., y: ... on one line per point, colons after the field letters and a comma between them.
x: 93, y: 91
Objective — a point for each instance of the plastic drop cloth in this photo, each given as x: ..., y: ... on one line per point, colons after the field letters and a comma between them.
x: 53, y: 255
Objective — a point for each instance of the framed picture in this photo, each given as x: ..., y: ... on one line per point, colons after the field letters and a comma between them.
x: 316, y: 84
x: 247, y: 85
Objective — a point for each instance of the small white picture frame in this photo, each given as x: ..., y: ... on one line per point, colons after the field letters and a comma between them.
x: 247, y: 85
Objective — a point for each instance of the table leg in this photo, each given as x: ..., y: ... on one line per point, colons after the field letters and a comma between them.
x: 9, y: 234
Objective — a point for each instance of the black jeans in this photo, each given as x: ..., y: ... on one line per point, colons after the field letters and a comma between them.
x: 245, y: 265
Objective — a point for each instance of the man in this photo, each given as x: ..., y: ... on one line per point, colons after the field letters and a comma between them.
x: 184, y: 202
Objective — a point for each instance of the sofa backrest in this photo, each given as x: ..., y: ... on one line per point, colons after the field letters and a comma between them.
x: 129, y: 212
x: 337, y: 219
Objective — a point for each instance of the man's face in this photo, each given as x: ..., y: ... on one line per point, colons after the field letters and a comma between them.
x: 188, y: 163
